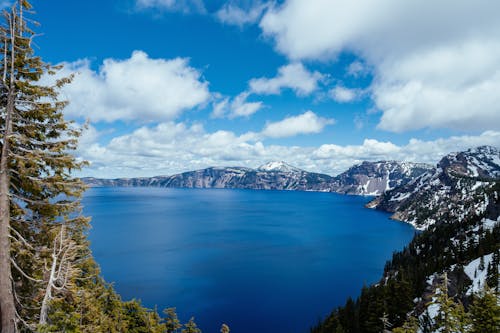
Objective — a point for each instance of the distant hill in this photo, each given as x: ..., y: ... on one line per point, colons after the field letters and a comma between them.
x: 368, y: 178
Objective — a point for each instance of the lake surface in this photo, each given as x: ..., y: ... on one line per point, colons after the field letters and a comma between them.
x: 260, y: 261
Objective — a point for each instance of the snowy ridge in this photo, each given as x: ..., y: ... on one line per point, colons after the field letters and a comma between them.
x: 462, y: 185
x: 278, y: 167
x: 375, y: 178
x: 368, y: 178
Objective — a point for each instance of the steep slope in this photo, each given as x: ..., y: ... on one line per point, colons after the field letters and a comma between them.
x: 272, y: 176
x: 457, y: 206
x: 459, y: 187
x: 374, y: 178
x: 368, y: 178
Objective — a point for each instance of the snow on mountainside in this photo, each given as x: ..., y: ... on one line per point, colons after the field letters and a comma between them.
x: 278, y: 167
x: 273, y: 178
x: 368, y: 178
x: 464, y: 184
x: 374, y: 178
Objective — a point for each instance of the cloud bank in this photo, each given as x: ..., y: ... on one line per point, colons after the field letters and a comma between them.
x: 139, y: 88
x: 169, y: 148
x: 435, y: 64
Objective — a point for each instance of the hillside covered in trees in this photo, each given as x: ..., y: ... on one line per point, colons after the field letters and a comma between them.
x: 447, y: 278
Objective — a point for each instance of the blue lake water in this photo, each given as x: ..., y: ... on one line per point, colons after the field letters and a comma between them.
x: 260, y: 261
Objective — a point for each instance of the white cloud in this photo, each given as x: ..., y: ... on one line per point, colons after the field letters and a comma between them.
x: 237, y: 107
x: 185, y: 6
x: 436, y: 64
x: 139, y: 88
x: 293, y: 76
x: 241, y: 13
x: 169, y: 148
x: 344, y: 95
x: 241, y: 108
x: 356, y: 69
x: 306, y: 123
x: 414, y: 151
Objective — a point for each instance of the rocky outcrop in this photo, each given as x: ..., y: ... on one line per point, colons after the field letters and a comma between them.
x: 375, y: 178
x: 462, y: 185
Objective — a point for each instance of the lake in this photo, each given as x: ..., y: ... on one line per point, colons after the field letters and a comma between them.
x: 259, y: 261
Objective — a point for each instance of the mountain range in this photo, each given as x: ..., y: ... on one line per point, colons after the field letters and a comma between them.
x: 367, y: 178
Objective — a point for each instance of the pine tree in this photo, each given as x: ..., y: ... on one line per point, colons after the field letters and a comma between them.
x: 485, y: 312
x: 191, y: 327
x: 451, y: 317
x: 172, y: 322
x: 37, y: 192
x: 409, y: 326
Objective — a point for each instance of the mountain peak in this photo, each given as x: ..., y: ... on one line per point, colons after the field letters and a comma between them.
x: 278, y: 166
x: 483, y: 161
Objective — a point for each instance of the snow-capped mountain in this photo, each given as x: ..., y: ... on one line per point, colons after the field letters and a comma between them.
x: 368, y: 178
x: 277, y: 176
x: 278, y: 167
x: 462, y: 184
x: 374, y: 178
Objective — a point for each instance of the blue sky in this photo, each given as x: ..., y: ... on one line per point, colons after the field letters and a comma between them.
x: 170, y: 86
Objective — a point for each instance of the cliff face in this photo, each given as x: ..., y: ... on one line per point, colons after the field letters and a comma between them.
x: 368, y: 178
x: 462, y: 185
x: 277, y: 176
x: 374, y: 178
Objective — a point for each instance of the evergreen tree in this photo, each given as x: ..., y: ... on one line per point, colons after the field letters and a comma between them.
x: 485, y: 312
x: 451, y: 316
x: 49, y: 282
x: 409, y: 326
x: 37, y: 192
x: 172, y: 322
x: 190, y: 327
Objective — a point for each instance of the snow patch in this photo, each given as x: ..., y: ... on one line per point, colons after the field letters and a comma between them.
x: 477, y: 275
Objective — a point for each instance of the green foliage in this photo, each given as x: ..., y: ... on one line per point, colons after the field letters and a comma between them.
x: 485, y: 312
x: 190, y: 327
x: 409, y: 326
x: 405, y: 275
x: 172, y: 323
x: 451, y: 317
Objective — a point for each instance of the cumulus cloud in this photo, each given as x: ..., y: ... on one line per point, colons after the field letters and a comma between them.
x: 241, y: 13
x: 169, y: 148
x: 293, y: 76
x: 306, y: 123
x: 435, y: 64
x: 139, y: 88
x: 185, y: 6
x: 236, y: 107
x: 342, y: 94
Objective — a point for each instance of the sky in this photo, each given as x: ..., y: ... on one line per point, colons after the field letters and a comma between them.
x: 168, y: 86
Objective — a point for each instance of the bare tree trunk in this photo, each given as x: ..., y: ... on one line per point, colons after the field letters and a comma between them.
x: 44, y: 311
x: 7, y: 303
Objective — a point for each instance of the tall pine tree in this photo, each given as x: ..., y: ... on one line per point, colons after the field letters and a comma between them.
x: 38, y: 195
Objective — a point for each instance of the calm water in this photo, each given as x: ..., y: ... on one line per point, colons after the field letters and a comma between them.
x: 260, y: 261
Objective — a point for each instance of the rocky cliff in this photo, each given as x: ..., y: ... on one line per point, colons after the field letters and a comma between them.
x: 368, y: 178
x: 462, y: 185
